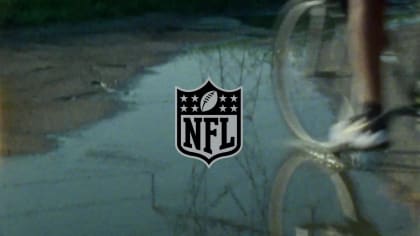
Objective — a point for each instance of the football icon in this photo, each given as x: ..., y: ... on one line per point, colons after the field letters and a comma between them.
x: 208, y: 101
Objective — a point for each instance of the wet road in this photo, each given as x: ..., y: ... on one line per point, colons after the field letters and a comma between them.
x: 123, y: 176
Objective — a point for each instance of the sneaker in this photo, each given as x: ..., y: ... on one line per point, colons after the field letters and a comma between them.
x: 360, y: 132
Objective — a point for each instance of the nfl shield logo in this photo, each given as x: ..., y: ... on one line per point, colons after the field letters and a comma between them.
x: 208, y: 122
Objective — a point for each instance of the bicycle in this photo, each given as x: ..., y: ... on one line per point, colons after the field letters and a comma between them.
x: 304, y: 78
x: 310, y: 69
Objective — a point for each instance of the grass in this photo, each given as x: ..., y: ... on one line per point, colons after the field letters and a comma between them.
x: 34, y: 12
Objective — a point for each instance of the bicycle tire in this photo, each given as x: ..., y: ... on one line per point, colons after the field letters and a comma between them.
x: 289, y: 19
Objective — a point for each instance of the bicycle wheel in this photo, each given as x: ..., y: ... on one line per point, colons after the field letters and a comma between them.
x: 293, y: 204
x: 310, y: 82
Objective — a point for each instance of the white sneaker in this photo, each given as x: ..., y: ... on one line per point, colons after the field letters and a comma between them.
x: 359, y: 132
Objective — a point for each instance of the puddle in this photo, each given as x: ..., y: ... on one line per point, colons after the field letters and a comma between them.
x: 123, y: 176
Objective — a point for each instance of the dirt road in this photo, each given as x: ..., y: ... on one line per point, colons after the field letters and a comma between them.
x: 57, y: 78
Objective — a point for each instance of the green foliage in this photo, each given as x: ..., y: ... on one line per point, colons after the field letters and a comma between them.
x: 26, y: 12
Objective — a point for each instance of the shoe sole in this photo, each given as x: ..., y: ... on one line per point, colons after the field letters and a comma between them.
x: 347, y: 148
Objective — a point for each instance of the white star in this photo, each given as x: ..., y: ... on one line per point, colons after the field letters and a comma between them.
x: 195, y: 108
x: 223, y: 98
x: 184, y: 108
x: 233, y: 108
x: 183, y: 98
x: 194, y: 98
x: 222, y: 108
x: 233, y: 98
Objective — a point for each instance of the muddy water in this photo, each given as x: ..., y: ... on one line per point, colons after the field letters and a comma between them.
x: 123, y: 176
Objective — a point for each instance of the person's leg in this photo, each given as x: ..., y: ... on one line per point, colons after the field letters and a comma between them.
x: 366, y: 41
x: 367, y: 37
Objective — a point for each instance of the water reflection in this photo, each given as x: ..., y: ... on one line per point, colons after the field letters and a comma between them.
x: 231, y: 198
x: 123, y: 176
x: 354, y: 200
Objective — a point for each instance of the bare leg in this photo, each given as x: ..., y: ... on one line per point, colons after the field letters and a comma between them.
x: 367, y: 37
x: 366, y: 41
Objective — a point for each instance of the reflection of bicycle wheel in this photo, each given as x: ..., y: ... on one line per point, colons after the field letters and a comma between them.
x: 306, y: 195
x: 307, y: 69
